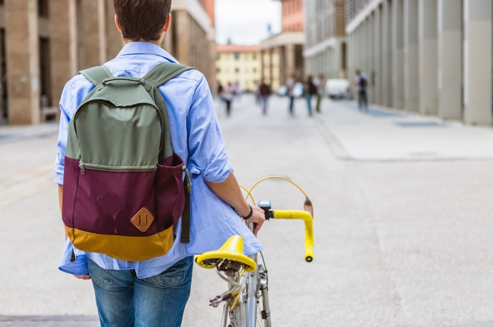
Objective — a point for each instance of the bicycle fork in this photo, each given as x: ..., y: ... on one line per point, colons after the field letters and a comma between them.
x: 265, y: 302
x: 258, y: 288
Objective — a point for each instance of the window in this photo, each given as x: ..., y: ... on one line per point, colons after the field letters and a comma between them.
x: 254, y: 56
x: 237, y: 70
x: 43, y: 8
x: 237, y: 55
x: 218, y: 56
x: 218, y: 70
x: 255, y: 70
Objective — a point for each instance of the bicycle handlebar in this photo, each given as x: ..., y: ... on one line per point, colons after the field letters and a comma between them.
x: 308, y: 220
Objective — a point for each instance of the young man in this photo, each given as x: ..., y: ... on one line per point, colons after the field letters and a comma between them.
x: 154, y: 292
x: 228, y: 96
x: 310, y: 90
x: 319, y: 84
x: 290, y: 82
x: 361, y: 82
x: 264, y: 93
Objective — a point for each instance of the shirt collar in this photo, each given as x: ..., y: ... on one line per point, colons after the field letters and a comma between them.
x: 134, y: 48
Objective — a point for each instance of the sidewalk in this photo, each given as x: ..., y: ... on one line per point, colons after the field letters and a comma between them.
x: 391, y: 135
x: 11, y: 133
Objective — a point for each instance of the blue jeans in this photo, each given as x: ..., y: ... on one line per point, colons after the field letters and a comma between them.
x: 309, y: 103
x: 291, y: 105
x: 265, y: 100
x: 123, y: 300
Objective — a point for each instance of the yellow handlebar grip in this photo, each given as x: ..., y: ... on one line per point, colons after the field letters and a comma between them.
x: 308, y: 220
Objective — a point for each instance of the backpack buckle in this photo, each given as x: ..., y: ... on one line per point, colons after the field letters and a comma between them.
x: 145, y: 84
x: 188, y: 181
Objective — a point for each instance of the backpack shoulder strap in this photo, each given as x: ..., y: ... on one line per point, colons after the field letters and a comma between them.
x: 163, y: 72
x: 159, y: 75
x: 96, y: 75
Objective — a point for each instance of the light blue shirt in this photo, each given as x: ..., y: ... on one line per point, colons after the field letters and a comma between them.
x: 196, y: 138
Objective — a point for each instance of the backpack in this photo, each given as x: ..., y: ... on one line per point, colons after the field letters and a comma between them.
x: 123, y: 184
x: 363, y: 83
x: 312, y: 89
x: 264, y: 90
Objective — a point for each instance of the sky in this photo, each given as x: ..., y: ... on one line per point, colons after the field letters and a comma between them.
x: 245, y: 21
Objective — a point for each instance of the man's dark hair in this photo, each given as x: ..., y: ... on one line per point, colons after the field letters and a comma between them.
x: 142, y: 20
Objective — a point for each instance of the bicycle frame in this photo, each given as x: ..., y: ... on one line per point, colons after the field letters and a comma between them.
x: 242, y: 310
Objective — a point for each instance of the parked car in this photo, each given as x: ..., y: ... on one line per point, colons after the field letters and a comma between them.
x: 338, y: 89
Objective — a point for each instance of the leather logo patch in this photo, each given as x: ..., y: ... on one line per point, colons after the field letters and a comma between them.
x: 142, y: 220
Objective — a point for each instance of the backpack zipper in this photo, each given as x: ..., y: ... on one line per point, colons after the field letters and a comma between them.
x: 82, y: 168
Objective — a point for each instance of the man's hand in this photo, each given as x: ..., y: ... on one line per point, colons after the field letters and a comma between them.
x: 229, y: 191
x: 258, y: 218
x: 83, y: 277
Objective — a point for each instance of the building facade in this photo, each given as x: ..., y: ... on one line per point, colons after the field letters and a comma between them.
x: 282, y: 54
x: 325, y: 50
x: 428, y: 56
x: 238, y: 64
x: 44, y: 43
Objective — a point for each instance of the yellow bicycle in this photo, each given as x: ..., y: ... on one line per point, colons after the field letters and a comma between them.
x: 246, y: 302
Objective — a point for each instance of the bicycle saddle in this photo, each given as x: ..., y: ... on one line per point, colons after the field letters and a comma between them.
x: 232, y: 250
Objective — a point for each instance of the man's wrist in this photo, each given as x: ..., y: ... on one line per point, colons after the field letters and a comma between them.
x: 249, y: 214
x: 245, y: 211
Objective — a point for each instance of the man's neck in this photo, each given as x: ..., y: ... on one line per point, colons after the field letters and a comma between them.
x: 127, y: 41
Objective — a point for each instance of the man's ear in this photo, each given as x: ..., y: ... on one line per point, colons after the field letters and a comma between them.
x: 167, y: 24
x: 117, y: 23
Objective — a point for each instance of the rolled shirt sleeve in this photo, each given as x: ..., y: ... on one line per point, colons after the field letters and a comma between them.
x: 205, y: 141
x: 63, y: 132
x: 73, y: 93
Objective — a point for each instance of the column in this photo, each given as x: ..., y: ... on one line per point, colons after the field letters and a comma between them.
x: 291, y: 59
x: 411, y: 55
x: 386, y: 66
x: 350, y: 54
x: 428, y: 57
x: 212, y: 52
x: 398, y: 54
x: 282, y: 64
x: 374, y: 74
x: 183, y: 45
x: 450, y: 59
x: 478, y: 61
x: 63, y: 45
x: 113, y: 36
x: 92, y: 47
x: 22, y: 52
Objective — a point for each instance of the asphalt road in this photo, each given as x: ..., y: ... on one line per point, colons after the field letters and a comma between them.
x: 401, y: 239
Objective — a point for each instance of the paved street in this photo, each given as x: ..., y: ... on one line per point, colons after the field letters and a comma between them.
x: 402, y: 221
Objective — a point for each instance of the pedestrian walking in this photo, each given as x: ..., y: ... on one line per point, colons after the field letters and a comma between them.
x: 120, y: 176
x: 310, y: 90
x: 219, y: 89
x: 290, y: 83
x: 228, y: 96
x: 319, y: 84
x: 264, y: 93
x: 258, y: 101
x: 237, y: 90
x: 361, y: 82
